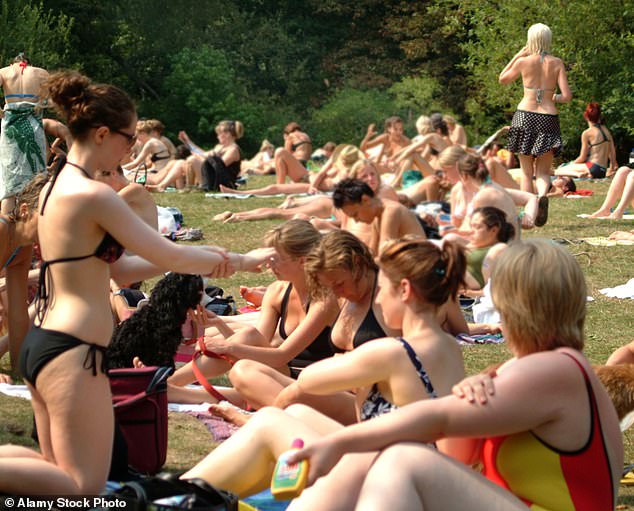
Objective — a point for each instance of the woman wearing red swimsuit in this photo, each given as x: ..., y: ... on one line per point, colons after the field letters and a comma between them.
x: 543, y: 426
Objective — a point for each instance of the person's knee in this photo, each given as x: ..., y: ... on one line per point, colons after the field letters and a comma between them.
x: 299, y: 411
x: 243, y: 373
x: 280, y: 152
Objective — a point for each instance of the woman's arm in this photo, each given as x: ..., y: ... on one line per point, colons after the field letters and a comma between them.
x: 368, y: 141
x: 230, y: 155
x: 518, y: 405
x: 614, y: 165
x: 141, y: 157
x: 562, y: 82
x: 17, y: 297
x: 513, y: 69
x: 320, y: 315
x: 184, y: 138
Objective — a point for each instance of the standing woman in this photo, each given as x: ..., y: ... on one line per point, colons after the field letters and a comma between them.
x: 83, y: 228
x: 535, y: 133
x: 22, y: 140
x: 18, y: 232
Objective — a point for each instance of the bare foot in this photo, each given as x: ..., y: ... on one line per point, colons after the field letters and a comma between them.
x: 226, y: 189
x: 600, y: 214
x: 616, y: 216
x: 288, y: 203
x: 253, y: 295
x: 5, y: 378
x: 230, y: 413
x: 155, y: 188
x: 232, y: 219
x: 223, y: 216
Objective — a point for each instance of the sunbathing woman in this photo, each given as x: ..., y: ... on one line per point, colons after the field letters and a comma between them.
x: 457, y: 134
x: 622, y: 190
x: 597, y: 148
x: 18, y: 232
x: 416, y: 276
x: 333, y: 171
x: 535, y: 134
x: 343, y: 267
x: 62, y: 356
x: 154, y: 154
x: 303, y: 324
x: 551, y: 437
x: 291, y: 159
x: 384, y: 148
x: 262, y: 163
x: 476, y: 190
x: 221, y: 165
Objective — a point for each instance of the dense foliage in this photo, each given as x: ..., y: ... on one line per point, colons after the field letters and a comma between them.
x: 333, y: 66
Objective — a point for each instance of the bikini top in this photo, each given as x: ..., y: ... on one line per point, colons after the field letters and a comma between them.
x: 321, y: 343
x: 22, y: 96
x: 155, y: 157
x: 368, y: 330
x: 298, y: 144
x: 109, y: 250
x: 604, y: 139
x: 375, y: 404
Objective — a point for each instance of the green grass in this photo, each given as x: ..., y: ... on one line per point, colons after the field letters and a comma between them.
x: 609, y: 324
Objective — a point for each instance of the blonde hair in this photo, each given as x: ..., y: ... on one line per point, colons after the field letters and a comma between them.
x: 295, y: 237
x: 156, y: 125
x: 423, y: 125
x: 359, y: 166
x: 449, y: 119
x: 143, y: 127
x: 435, y: 272
x: 539, y: 39
x: 266, y: 145
x: 451, y: 155
x: 337, y: 250
x: 234, y: 127
x: 540, y: 292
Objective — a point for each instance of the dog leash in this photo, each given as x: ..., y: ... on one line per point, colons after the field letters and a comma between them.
x: 199, y: 374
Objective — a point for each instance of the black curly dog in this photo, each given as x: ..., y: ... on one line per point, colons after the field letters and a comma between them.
x: 153, y: 333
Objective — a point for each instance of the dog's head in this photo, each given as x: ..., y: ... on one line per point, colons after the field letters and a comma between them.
x: 153, y: 332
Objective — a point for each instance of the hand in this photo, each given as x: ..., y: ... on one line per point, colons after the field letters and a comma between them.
x: 218, y: 346
x: 522, y: 53
x: 322, y: 456
x: 371, y: 131
x: 183, y: 137
x: 255, y: 259
x: 494, y: 328
x: 475, y: 387
x: 288, y: 396
x: 5, y: 378
x: 203, y: 318
x: 312, y: 189
x: 222, y: 270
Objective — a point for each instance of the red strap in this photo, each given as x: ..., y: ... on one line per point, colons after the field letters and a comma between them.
x: 199, y: 374
x: 23, y: 65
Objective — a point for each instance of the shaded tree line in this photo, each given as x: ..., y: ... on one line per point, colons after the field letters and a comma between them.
x: 333, y: 66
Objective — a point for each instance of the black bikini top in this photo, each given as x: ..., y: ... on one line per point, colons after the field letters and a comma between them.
x: 368, y: 330
x: 294, y: 147
x: 321, y: 343
x: 604, y: 137
x: 109, y: 250
x: 155, y: 157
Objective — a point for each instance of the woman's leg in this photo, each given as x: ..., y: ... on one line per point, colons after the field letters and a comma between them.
x: 543, y: 166
x: 260, y: 385
x: 244, y: 463
x: 154, y: 179
x: 175, y: 175
x: 573, y: 170
x: 287, y: 165
x: 526, y: 163
x: 417, y: 477
x: 627, y: 197
x: 271, y: 189
x: 614, y: 192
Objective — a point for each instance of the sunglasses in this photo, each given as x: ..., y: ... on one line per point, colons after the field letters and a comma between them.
x: 131, y: 138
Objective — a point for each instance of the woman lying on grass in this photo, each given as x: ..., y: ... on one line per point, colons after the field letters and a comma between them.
x: 416, y: 277
x: 543, y: 428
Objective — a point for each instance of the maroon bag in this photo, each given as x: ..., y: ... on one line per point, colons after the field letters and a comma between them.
x: 139, y: 397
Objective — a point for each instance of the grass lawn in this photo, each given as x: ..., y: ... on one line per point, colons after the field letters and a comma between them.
x: 609, y: 323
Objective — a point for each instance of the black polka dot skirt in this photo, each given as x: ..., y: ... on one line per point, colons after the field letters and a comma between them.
x: 534, y: 134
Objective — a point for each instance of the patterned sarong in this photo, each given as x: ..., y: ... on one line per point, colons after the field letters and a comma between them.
x: 22, y: 147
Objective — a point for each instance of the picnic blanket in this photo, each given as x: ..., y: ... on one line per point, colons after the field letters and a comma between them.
x: 623, y: 291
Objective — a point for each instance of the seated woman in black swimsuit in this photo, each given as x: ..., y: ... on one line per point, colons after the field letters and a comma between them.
x: 340, y: 266
x: 62, y: 356
x: 416, y: 276
x: 303, y: 324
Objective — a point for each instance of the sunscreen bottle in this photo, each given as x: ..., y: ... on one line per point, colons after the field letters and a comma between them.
x: 288, y: 481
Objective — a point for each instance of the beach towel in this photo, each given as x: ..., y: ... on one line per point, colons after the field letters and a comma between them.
x: 579, y: 194
x: 247, y: 195
x: 22, y: 147
x: 602, y: 241
x: 623, y: 291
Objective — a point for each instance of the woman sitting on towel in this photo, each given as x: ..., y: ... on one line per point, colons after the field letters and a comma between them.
x: 303, y: 324
x: 416, y: 277
x: 543, y: 426
x: 83, y: 230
